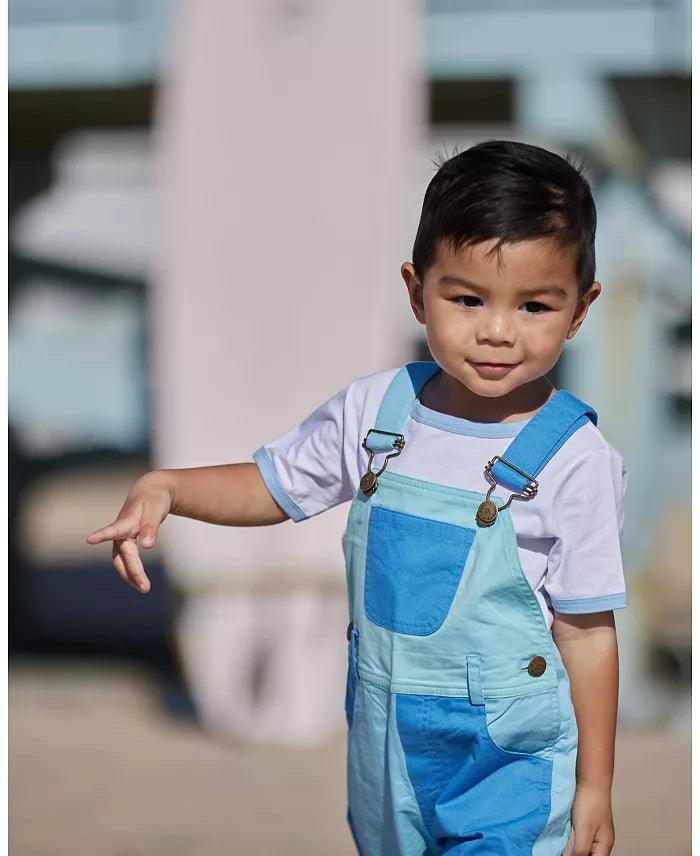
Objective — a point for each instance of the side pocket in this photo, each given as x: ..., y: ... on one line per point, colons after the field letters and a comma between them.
x: 527, y: 723
x: 353, y: 676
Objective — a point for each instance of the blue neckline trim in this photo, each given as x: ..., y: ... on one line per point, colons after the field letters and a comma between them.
x: 457, y: 425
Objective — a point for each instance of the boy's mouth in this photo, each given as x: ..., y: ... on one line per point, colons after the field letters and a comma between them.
x: 493, y: 365
x: 493, y: 369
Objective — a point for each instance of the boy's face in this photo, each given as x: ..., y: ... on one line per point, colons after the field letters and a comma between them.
x: 495, y: 326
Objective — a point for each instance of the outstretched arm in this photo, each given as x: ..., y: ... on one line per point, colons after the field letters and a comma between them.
x: 229, y: 494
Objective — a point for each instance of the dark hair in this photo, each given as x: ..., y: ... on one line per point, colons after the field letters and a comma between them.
x: 511, y: 191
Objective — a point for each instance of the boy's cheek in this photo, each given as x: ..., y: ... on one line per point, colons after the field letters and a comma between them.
x: 440, y: 340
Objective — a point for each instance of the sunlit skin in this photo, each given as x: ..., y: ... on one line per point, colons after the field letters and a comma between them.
x: 518, y: 309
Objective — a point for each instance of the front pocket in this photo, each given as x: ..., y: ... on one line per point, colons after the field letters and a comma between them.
x: 412, y: 571
x: 526, y: 723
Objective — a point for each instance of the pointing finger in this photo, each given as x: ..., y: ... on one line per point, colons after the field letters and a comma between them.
x: 121, y: 528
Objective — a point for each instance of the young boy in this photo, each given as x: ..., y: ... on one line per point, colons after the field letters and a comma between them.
x: 482, y: 545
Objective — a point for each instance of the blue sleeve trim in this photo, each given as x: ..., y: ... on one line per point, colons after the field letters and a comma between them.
x: 269, y: 473
x: 577, y: 605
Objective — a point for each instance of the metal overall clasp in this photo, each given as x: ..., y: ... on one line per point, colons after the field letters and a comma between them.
x: 370, y: 480
x: 486, y: 513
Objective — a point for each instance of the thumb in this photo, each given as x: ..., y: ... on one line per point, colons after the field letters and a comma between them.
x: 148, y: 530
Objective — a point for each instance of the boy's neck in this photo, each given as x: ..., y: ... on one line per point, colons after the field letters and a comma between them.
x: 446, y: 395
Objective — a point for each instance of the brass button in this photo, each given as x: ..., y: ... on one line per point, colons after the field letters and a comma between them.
x: 369, y: 483
x: 486, y: 513
x: 349, y: 630
x: 536, y: 666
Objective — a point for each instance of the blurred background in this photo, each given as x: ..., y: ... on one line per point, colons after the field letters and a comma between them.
x: 209, y: 205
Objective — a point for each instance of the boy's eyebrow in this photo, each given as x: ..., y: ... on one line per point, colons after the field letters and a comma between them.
x: 553, y: 290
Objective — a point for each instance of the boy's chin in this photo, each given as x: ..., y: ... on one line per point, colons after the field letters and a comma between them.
x: 467, y: 376
x: 483, y: 386
x: 491, y: 388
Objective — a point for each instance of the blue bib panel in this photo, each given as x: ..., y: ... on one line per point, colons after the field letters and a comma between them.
x: 462, y: 734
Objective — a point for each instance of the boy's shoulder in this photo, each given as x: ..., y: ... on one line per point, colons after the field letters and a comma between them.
x: 367, y: 391
x: 588, y: 472
x: 380, y: 378
x: 588, y: 447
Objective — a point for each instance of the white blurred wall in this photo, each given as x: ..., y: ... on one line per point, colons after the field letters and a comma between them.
x: 285, y: 134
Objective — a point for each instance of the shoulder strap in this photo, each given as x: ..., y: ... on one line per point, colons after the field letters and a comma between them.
x: 397, y: 402
x: 542, y: 438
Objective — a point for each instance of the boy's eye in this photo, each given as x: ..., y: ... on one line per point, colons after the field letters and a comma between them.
x: 533, y: 307
x: 465, y: 299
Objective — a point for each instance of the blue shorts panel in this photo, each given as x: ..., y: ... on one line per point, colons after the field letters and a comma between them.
x: 475, y: 797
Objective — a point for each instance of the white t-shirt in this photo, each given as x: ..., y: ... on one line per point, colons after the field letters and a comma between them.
x: 568, y: 535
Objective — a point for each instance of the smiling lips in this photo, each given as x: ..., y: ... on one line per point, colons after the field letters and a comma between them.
x: 493, y: 369
x: 493, y: 365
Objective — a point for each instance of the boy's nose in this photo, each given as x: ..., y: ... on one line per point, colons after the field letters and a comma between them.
x: 496, y: 329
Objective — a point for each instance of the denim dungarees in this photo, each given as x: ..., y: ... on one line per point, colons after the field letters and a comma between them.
x: 462, y: 736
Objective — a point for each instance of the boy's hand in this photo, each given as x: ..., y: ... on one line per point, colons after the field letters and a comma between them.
x: 147, y: 504
x: 591, y: 815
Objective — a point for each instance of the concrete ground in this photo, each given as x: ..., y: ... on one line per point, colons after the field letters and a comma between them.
x: 96, y: 769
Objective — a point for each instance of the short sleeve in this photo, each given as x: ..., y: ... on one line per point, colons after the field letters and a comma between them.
x: 304, y: 469
x: 584, y: 566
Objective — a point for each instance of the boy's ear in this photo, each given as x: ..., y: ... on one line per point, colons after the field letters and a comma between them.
x: 415, y: 291
x: 582, y: 308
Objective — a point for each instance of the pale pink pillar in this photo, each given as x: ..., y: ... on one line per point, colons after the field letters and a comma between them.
x: 285, y: 135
